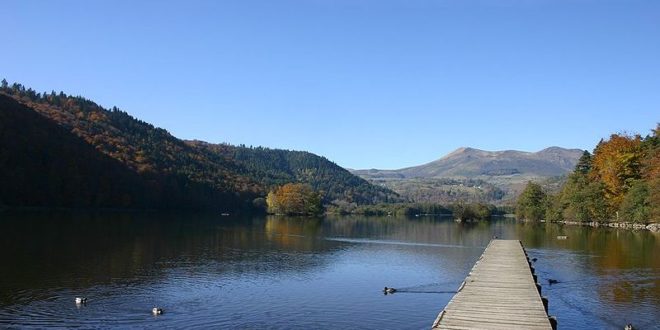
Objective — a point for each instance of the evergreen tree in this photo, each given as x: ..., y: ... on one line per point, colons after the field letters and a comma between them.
x: 584, y: 164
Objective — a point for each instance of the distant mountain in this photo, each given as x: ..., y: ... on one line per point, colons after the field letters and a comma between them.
x: 470, y: 163
x: 144, y: 164
x: 476, y: 175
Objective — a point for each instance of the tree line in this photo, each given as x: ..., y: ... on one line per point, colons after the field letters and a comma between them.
x: 459, y: 211
x: 619, y: 181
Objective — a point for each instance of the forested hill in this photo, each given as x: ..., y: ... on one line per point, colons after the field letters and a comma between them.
x: 172, y: 172
x: 43, y: 164
x: 274, y: 167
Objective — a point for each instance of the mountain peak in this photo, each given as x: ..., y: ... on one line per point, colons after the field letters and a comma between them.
x: 460, y: 151
x: 555, y: 149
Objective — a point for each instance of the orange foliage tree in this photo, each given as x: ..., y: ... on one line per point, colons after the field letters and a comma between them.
x: 617, y: 164
x: 294, y: 198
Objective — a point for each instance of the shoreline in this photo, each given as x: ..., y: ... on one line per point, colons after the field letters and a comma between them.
x: 652, y: 227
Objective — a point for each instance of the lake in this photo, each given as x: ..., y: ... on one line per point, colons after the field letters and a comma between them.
x: 211, y: 271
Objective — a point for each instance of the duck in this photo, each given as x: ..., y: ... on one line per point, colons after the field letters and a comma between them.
x: 157, y: 311
x: 552, y: 281
x: 629, y: 326
x: 81, y: 300
x: 534, y: 259
x: 389, y: 290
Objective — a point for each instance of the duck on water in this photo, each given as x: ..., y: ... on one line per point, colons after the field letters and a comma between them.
x: 387, y: 290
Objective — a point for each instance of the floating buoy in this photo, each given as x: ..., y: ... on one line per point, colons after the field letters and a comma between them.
x: 157, y: 311
x: 81, y: 300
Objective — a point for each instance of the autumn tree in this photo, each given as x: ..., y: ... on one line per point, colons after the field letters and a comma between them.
x: 294, y: 198
x: 621, y: 182
x: 617, y: 163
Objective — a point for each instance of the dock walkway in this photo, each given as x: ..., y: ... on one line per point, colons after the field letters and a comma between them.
x: 500, y: 292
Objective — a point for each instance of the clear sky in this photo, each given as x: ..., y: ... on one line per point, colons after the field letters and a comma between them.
x: 365, y: 83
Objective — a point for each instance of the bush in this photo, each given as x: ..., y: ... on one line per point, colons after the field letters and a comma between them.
x: 635, y: 206
x: 531, y: 204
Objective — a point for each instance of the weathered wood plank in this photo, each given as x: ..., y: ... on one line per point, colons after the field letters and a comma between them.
x: 499, y: 293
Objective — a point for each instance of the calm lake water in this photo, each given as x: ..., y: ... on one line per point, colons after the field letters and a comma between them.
x: 293, y: 273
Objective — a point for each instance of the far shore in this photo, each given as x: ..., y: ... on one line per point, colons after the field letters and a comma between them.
x: 653, y: 227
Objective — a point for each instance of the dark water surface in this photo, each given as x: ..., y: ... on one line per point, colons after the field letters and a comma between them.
x: 292, y: 273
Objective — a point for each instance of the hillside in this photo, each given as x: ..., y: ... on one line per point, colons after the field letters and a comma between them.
x: 35, y: 157
x: 477, y: 175
x: 182, y: 174
x: 274, y: 167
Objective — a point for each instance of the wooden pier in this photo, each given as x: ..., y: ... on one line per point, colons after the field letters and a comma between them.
x: 501, y: 292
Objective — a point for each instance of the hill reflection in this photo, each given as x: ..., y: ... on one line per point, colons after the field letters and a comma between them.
x: 604, y: 274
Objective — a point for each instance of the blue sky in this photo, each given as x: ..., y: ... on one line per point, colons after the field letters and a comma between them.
x: 367, y: 84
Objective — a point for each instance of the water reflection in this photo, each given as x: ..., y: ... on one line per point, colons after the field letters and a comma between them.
x: 607, y: 276
x: 213, y: 271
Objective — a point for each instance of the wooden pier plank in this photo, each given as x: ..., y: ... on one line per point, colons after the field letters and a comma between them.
x: 499, y: 293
